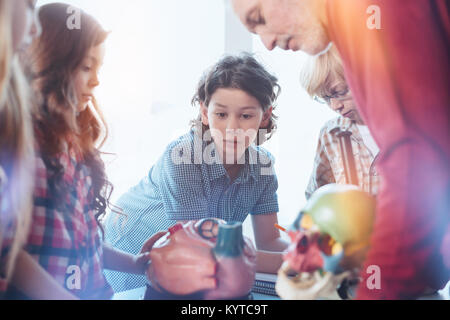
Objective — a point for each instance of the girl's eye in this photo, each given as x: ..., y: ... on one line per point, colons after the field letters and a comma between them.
x: 247, y: 116
x: 87, y: 69
x: 221, y: 115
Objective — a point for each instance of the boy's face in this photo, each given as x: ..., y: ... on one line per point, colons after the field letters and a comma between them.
x: 234, y: 118
x: 289, y: 24
x: 340, y: 99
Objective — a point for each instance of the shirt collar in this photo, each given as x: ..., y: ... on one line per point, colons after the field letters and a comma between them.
x: 217, y: 170
x: 342, y: 123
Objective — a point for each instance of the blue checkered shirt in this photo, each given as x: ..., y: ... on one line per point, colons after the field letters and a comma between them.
x: 189, y: 183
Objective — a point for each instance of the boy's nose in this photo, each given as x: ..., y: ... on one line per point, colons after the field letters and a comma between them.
x: 232, y: 128
x: 336, y: 105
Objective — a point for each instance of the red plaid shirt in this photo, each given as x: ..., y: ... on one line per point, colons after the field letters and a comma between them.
x: 66, y: 242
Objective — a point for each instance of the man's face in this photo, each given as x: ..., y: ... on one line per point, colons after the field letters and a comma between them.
x: 289, y: 24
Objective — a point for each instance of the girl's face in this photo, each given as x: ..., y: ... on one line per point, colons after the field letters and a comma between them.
x: 86, y: 76
x: 341, y: 101
x: 25, y: 24
x: 234, y: 118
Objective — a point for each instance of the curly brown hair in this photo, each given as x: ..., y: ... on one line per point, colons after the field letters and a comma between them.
x: 54, y: 58
x: 242, y: 72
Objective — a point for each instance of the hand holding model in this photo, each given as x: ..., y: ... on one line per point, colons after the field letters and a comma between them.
x: 207, y: 256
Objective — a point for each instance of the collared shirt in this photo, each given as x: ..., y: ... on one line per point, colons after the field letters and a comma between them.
x: 397, y: 69
x: 65, y: 239
x: 189, y: 183
x: 328, y: 163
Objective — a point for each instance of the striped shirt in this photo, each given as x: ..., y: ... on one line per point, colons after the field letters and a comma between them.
x: 328, y: 163
x: 189, y: 183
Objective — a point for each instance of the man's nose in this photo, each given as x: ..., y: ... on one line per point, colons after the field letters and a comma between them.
x: 269, y: 40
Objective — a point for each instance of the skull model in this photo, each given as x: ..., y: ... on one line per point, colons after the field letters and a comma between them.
x: 330, y: 238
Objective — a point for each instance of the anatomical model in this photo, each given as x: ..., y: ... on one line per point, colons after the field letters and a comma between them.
x: 330, y: 239
x: 194, y: 255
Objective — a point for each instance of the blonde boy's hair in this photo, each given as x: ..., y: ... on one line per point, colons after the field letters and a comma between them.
x: 320, y: 72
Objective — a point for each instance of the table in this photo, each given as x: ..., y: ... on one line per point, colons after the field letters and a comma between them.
x: 138, y: 294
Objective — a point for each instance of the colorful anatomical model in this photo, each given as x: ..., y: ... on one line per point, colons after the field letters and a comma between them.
x: 193, y: 256
x: 330, y: 239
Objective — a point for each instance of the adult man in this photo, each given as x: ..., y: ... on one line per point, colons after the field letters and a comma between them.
x: 395, y: 55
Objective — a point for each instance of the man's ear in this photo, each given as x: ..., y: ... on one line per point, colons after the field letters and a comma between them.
x: 204, y: 114
x: 266, y: 118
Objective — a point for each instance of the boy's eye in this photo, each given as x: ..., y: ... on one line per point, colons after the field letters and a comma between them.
x: 342, y: 92
x: 221, y: 115
x: 86, y: 68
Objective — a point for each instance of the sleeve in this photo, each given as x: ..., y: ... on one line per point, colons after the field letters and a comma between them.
x: 181, y: 187
x: 399, y: 77
x: 268, y: 199
x: 322, y: 173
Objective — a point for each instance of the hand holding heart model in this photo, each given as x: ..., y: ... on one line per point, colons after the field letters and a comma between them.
x: 207, y: 256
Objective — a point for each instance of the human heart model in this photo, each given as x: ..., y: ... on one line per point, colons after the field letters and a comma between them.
x: 194, y: 255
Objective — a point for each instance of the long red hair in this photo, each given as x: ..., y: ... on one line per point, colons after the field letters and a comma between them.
x: 54, y: 58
